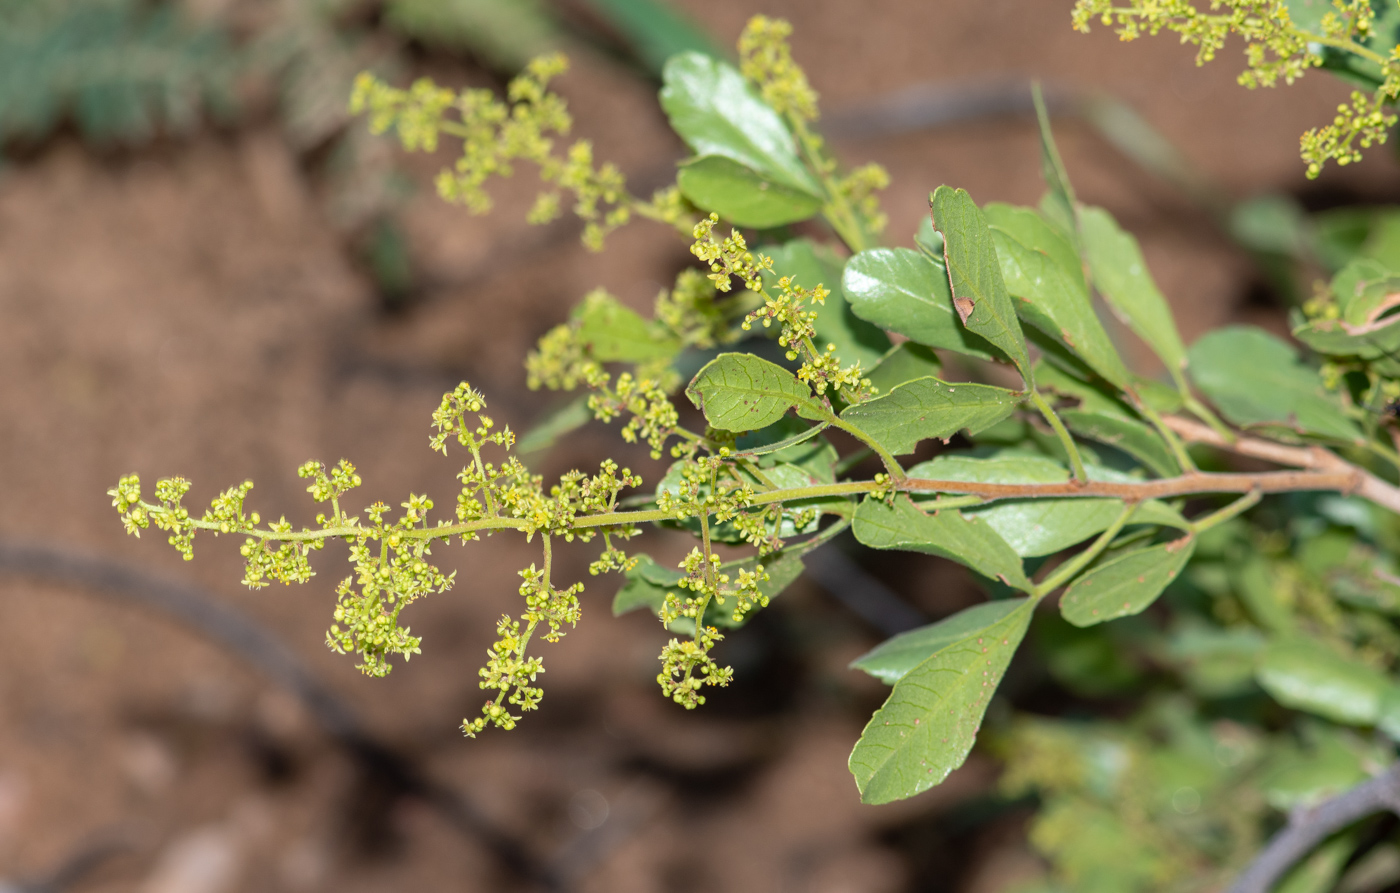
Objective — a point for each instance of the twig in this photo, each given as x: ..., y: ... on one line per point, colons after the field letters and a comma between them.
x: 1307, y: 828
x: 204, y: 614
x: 1367, y: 485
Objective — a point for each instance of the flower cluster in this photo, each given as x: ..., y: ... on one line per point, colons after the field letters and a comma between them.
x: 728, y: 257
x: 700, y: 492
x: 766, y: 59
x: 1278, y: 47
x: 689, y: 311
x: 494, y: 135
x: 686, y: 666
x: 1358, y: 125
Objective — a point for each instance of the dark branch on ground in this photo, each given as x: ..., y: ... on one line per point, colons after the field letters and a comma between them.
x: 1307, y: 828
x: 203, y: 613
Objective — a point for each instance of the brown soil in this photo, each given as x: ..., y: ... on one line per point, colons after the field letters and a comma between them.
x: 187, y: 309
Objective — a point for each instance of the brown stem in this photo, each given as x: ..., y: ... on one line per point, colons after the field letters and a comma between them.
x: 1347, y: 480
x: 1366, y: 485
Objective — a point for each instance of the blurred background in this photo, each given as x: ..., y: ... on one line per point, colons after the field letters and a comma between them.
x: 207, y: 269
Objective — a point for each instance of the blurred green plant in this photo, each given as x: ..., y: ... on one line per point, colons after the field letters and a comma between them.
x: 121, y: 71
x: 1254, y: 636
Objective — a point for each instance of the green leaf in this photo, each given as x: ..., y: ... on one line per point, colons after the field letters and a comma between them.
x: 836, y: 322
x: 1126, y: 584
x: 1052, y: 296
x: 564, y: 420
x: 1029, y: 227
x: 905, y: 362
x: 714, y: 110
x: 1254, y: 378
x: 974, y: 275
x: 741, y: 195
x: 1301, y: 777
x: 929, y: 723
x: 1121, y: 276
x: 646, y: 587
x: 904, y: 291
x: 928, y: 407
x: 948, y: 533
x: 1093, y: 394
x: 1307, y: 675
x: 1030, y: 526
x: 741, y: 392
x: 614, y: 332
x: 893, y: 658
x: 1132, y: 437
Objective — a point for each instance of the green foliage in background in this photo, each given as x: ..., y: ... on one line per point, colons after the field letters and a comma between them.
x: 121, y: 70
x: 1234, y: 630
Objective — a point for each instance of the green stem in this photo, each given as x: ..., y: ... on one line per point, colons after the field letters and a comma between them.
x: 891, y: 463
x: 837, y: 210
x: 485, y: 484
x: 1178, y: 448
x: 709, y: 576
x: 1062, y: 433
x: 1202, y: 412
x: 1238, y: 507
x: 1067, y: 571
x: 781, y: 444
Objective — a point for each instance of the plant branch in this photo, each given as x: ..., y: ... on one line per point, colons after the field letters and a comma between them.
x: 1324, y: 471
x: 1072, y: 451
x: 1366, y: 485
x: 1307, y: 828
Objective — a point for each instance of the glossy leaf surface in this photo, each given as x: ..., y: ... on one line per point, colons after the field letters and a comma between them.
x: 741, y: 392
x: 1052, y: 297
x: 1129, y: 435
x: 741, y: 195
x: 1030, y: 526
x: 1307, y: 675
x: 716, y: 112
x: 904, y: 291
x: 926, y: 408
